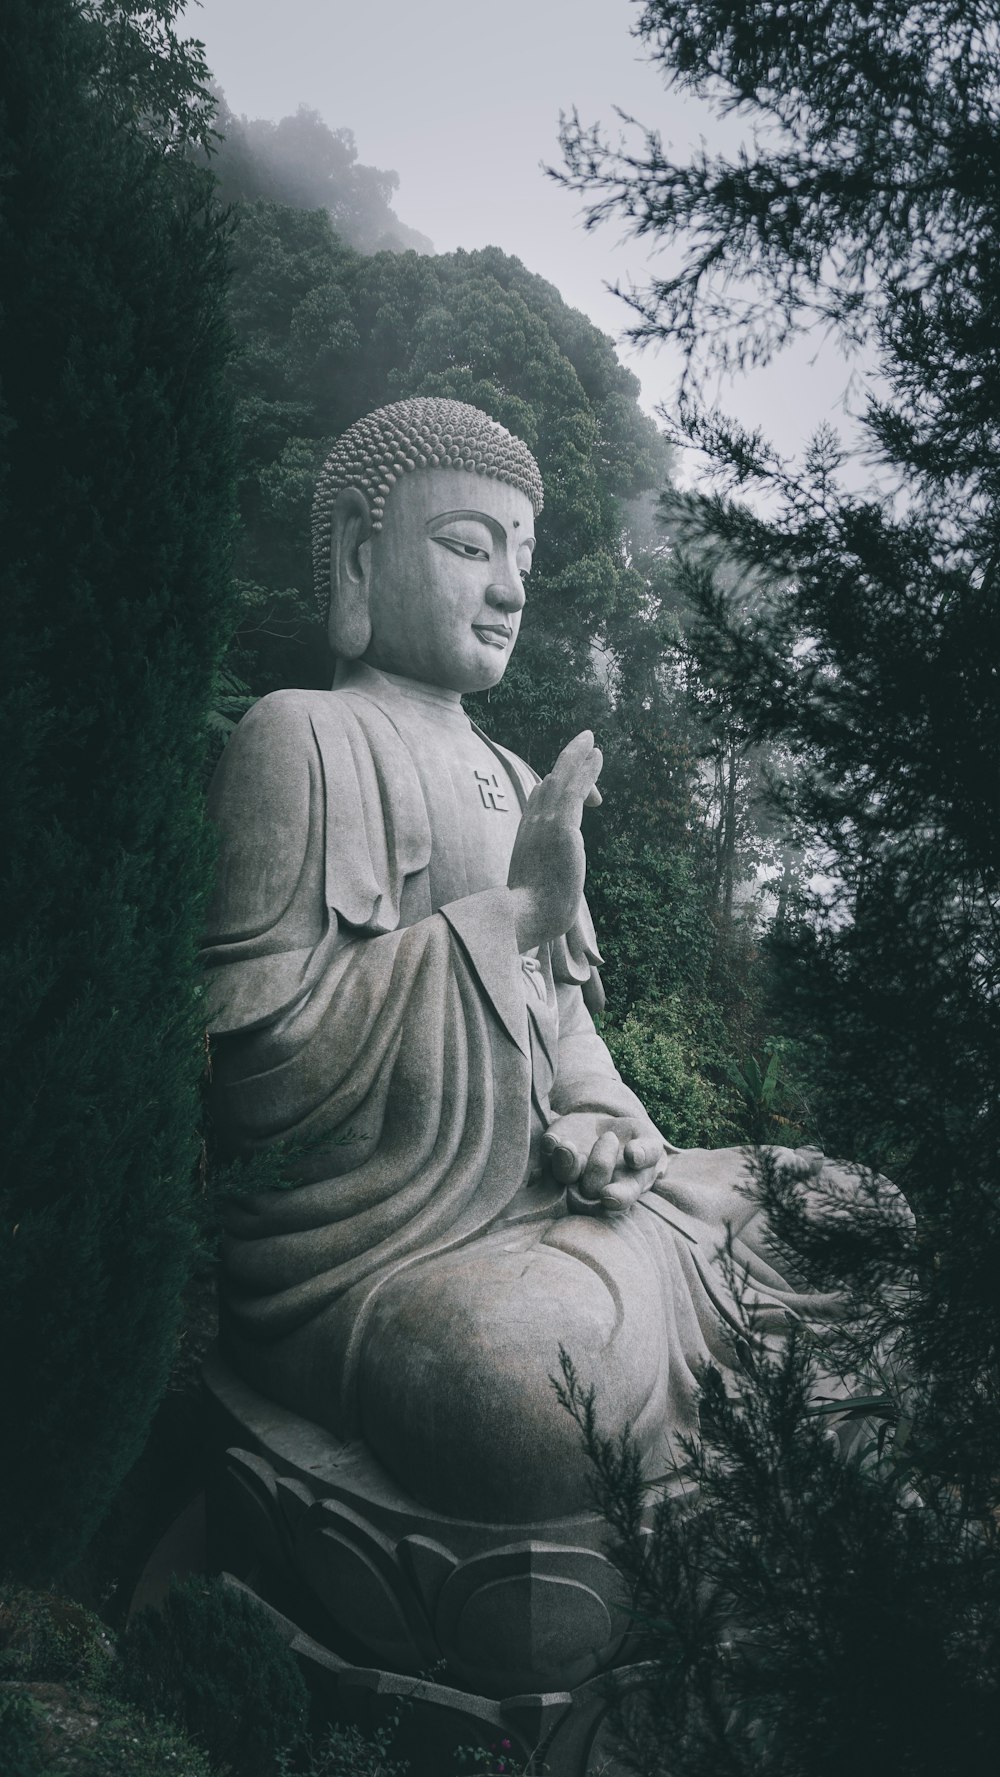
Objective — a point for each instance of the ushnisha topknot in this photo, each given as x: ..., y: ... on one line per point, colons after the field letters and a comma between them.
x: 426, y: 432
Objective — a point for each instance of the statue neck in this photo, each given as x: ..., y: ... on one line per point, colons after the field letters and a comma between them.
x: 356, y: 675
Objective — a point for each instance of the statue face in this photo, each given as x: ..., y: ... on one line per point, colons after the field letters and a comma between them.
x: 446, y: 582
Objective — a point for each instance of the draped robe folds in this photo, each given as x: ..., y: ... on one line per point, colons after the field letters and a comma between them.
x: 368, y: 1007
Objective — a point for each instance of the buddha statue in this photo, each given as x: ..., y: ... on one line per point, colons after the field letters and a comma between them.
x: 402, y: 975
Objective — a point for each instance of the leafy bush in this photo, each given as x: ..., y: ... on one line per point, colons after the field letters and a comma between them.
x: 20, y: 1736
x: 211, y: 1661
x: 658, y: 1058
x: 345, y: 1751
x: 45, y: 1636
x: 768, y: 1101
x: 59, y: 1711
x: 79, y: 1734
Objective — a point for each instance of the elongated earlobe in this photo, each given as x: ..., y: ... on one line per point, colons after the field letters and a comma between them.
x: 349, y: 626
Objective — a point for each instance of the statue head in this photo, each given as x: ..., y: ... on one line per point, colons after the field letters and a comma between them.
x: 422, y: 536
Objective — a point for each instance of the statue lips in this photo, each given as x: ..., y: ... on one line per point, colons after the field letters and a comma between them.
x: 495, y: 635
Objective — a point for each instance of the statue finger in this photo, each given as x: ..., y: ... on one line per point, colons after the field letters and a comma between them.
x: 565, y: 1161
x: 544, y: 793
x: 600, y: 1168
x: 622, y: 1192
x: 579, y: 761
x: 574, y: 749
x: 587, y: 769
x: 640, y: 1154
x: 580, y: 784
x: 640, y: 1182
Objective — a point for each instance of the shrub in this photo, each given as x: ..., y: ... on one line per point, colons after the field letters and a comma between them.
x: 20, y: 1736
x: 45, y: 1636
x: 658, y: 1059
x: 212, y: 1662
x: 53, y: 1730
x: 345, y: 1751
x: 115, y: 488
x: 59, y: 1711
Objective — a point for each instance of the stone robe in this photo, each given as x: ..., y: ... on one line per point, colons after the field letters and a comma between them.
x: 368, y: 1005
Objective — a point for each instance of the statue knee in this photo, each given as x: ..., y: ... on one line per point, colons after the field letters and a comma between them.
x: 455, y: 1385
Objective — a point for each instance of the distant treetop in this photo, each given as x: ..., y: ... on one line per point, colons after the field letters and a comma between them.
x: 302, y: 162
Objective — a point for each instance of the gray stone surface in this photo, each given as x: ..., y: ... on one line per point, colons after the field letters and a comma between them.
x: 401, y: 973
x: 560, y: 1733
x: 504, y: 1608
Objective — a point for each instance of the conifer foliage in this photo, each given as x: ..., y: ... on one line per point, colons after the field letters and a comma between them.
x: 115, y: 479
x: 865, y: 200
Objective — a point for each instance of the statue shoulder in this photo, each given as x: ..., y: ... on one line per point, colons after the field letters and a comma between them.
x: 283, y: 717
x: 309, y: 784
x: 293, y: 742
x: 283, y: 731
x: 264, y: 772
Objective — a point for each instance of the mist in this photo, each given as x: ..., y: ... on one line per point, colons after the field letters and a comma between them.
x: 459, y: 106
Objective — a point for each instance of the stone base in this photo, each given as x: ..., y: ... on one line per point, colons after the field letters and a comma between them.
x: 560, y: 1733
x: 508, y: 1626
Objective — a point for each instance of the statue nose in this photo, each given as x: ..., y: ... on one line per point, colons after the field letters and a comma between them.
x: 507, y: 594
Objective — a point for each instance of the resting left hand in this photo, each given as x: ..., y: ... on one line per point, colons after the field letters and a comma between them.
x: 607, y: 1162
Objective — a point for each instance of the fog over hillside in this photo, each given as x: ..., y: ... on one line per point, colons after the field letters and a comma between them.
x: 301, y: 161
x: 463, y: 102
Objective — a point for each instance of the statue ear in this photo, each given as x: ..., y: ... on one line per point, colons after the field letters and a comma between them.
x: 349, y: 626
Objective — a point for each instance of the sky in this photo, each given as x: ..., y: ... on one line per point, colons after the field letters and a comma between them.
x: 462, y: 99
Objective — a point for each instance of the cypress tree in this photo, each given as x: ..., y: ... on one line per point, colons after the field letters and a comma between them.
x: 115, y: 487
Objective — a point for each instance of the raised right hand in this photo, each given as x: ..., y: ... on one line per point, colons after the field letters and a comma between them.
x: 548, y: 864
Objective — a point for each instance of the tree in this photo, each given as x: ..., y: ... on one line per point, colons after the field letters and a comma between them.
x: 115, y: 482
x: 302, y: 162
x: 867, y: 201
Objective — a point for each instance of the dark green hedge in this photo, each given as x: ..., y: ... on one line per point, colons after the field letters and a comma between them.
x: 115, y: 490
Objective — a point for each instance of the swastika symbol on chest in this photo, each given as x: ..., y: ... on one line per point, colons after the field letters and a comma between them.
x: 492, y: 791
